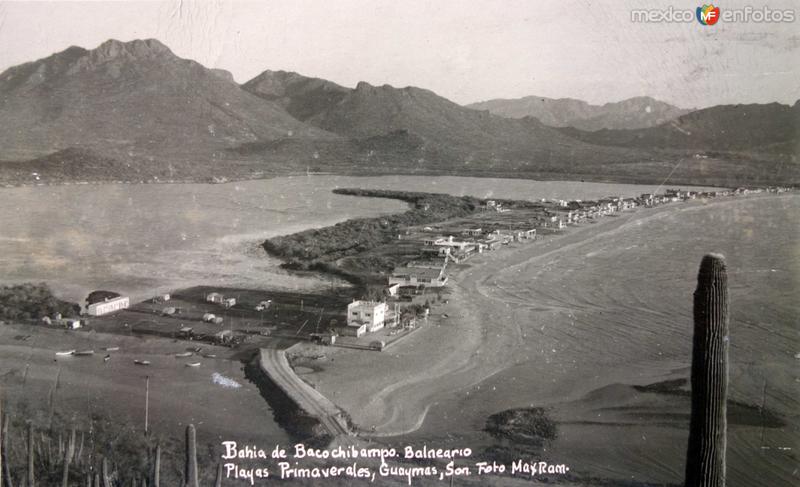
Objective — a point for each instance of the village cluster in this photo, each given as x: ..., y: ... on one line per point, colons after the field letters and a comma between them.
x: 408, y: 287
x: 454, y: 242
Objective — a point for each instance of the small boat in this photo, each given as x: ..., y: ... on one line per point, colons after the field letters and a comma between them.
x: 106, y: 358
x: 141, y: 362
x: 210, y: 355
x: 65, y: 352
x: 111, y: 349
x: 184, y: 354
x: 197, y: 349
x: 193, y: 364
x: 84, y: 352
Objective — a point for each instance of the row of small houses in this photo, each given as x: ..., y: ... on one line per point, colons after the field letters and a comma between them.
x: 439, y: 250
x: 475, y: 241
x: 98, y: 308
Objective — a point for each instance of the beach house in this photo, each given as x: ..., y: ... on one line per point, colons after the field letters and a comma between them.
x: 428, y: 275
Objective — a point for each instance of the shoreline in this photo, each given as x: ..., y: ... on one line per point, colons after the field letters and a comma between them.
x: 543, y: 177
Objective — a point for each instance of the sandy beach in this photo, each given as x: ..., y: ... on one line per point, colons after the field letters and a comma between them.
x: 558, y: 322
x: 472, y: 344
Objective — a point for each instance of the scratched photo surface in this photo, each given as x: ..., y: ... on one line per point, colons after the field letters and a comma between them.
x: 399, y: 243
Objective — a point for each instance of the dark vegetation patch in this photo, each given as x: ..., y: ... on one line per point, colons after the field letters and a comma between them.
x: 527, y: 426
x: 311, y: 247
x: 100, y: 295
x: 32, y: 302
x: 321, y: 249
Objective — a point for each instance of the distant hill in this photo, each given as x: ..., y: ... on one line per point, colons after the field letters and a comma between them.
x: 224, y: 74
x: 769, y: 128
x: 132, y: 101
x: 427, y: 129
x: 301, y: 96
x: 633, y: 113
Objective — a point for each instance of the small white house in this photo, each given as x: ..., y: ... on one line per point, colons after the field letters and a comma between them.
x: 215, y: 298
x: 393, y: 290
x: 71, y: 323
x: 229, y: 302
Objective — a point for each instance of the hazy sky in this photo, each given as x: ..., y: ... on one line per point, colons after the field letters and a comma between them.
x: 464, y: 50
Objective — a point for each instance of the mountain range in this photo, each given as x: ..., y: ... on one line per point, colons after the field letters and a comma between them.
x: 136, y: 111
x: 133, y: 100
x: 633, y: 113
x: 419, y: 122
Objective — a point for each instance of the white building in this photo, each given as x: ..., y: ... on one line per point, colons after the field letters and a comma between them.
x: 392, y: 290
x: 108, y: 306
x: 214, y: 298
x: 372, y: 314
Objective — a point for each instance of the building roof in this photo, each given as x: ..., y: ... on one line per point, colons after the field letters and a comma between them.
x: 370, y: 304
x: 420, y: 272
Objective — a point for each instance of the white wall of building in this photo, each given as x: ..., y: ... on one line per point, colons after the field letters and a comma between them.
x: 109, y: 306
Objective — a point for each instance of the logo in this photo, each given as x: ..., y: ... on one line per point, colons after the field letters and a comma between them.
x: 708, y: 14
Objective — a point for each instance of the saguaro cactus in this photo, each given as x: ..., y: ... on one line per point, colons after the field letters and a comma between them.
x: 218, y: 480
x: 68, y: 454
x: 2, y: 439
x: 705, y: 459
x: 157, y: 466
x: 106, y: 477
x: 191, y: 457
x: 6, y: 467
x: 30, y: 480
x: 6, y: 474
